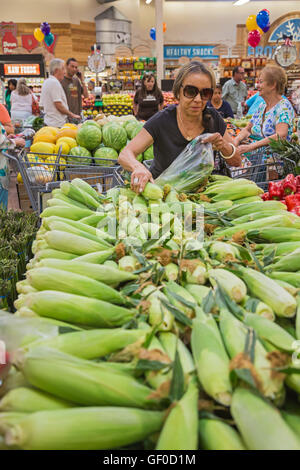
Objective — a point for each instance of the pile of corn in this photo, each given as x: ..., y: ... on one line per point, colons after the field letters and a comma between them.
x: 148, y: 337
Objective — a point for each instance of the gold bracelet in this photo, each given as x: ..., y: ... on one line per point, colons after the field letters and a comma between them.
x: 233, y: 152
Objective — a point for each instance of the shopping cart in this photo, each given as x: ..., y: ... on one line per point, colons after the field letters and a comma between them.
x: 37, y: 170
x: 264, y: 167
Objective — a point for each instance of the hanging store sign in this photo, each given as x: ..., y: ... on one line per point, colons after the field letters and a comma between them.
x: 260, y: 51
x: 175, y: 52
x: 21, y: 69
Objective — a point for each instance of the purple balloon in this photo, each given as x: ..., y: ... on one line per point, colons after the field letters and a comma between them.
x: 49, y: 39
x: 266, y: 28
x: 45, y: 28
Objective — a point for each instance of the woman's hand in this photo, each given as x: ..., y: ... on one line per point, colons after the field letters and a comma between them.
x: 246, y: 148
x: 216, y: 140
x: 139, y: 178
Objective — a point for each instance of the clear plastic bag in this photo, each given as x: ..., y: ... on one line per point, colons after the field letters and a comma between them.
x: 190, y: 169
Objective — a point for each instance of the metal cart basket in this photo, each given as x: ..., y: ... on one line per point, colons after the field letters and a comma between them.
x: 38, y: 170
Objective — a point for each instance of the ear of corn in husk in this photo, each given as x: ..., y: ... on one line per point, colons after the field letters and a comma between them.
x: 51, y: 279
x: 211, y: 360
x: 84, y: 186
x: 264, y: 288
x: 290, y: 278
x: 184, y: 418
x: 28, y: 400
x: 249, y: 409
x: 174, y: 288
x: 234, y: 335
x: 99, y: 272
x: 83, y: 382
x: 234, y: 286
x: 92, y: 344
x: 90, y: 428
x: 170, y: 342
x: 214, y: 434
x: 74, y: 244
x: 77, y: 309
x: 270, y: 331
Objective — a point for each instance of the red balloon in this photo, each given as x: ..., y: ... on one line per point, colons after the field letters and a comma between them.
x: 254, y: 38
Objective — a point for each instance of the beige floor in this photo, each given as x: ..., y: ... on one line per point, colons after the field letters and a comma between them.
x: 13, y: 202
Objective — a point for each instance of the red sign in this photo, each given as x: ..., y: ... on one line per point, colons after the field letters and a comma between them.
x: 51, y: 48
x: 29, y: 42
x: 21, y: 69
x: 9, y: 42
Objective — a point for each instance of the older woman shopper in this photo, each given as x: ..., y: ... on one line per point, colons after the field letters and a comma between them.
x: 274, y: 117
x: 172, y: 129
x: 21, y: 101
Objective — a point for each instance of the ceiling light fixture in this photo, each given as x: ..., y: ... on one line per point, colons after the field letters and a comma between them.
x: 148, y: 1
x: 238, y: 3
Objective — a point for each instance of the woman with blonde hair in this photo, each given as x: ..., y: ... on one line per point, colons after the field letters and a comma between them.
x: 22, y: 100
x: 172, y: 129
x: 274, y: 117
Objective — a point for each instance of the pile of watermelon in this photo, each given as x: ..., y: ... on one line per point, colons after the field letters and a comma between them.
x: 100, y: 143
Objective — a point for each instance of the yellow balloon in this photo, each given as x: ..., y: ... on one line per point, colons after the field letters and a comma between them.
x: 251, y: 23
x: 260, y: 30
x: 38, y: 34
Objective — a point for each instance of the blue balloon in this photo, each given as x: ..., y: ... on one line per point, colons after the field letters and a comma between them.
x: 49, y: 39
x: 262, y: 19
x: 153, y: 33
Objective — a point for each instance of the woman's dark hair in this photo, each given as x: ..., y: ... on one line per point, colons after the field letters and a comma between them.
x: 11, y: 81
x: 143, y: 90
x: 189, y: 69
x: 218, y: 87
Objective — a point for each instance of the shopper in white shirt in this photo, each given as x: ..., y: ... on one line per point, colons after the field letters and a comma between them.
x: 53, y: 97
x: 21, y: 101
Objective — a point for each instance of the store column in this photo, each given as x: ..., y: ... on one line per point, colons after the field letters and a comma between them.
x: 159, y: 40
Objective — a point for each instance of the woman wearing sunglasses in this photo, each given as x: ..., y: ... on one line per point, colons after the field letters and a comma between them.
x: 172, y: 129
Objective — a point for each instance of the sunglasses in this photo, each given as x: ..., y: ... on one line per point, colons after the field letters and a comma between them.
x: 191, y: 91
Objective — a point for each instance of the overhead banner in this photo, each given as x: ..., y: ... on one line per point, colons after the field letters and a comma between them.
x: 175, y: 52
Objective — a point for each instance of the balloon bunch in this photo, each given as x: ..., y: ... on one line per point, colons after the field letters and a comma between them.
x: 44, y: 33
x: 153, y: 31
x: 257, y: 25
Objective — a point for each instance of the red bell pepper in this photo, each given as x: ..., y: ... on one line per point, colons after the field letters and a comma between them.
x: 292, y: 201
x: 265, y: 197
x: 298, y: 184
x: 289, y: 184
x: 296, y: 210
x: 275, y: 190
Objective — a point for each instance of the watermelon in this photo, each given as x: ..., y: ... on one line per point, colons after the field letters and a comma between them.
x: 129, y: 121
x: 99, y: 147
x: 148, y: 154
x: 79, y: 152
x: 133, y: 128
x: 91, y: 123
x: 114, y: 136
x: 89, y: 136
x: 105, y: 152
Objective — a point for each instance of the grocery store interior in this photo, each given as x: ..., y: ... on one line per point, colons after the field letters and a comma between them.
x: 150, y: 226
